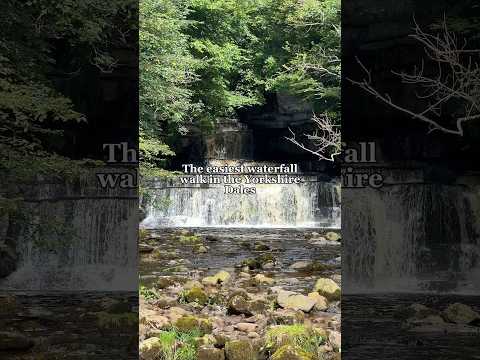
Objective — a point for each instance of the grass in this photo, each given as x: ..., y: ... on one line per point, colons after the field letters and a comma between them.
x: 148, y: 293
x: 297, y: 335
x: 176, y: 345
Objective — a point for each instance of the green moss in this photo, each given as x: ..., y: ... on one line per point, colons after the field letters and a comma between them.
x: 240, y: 350
x: 176, y: 345
x: 148, y: 293
x: 188, y: 239
x: 289, y: 352
x: 189, y: 323
x: 296, y: 335
x: 194, y: 294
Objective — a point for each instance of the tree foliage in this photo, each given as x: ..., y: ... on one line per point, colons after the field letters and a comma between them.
x: 203, y: 60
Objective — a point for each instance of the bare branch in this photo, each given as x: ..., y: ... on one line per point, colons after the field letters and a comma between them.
x: 457, y: 79
x: 324, y: 142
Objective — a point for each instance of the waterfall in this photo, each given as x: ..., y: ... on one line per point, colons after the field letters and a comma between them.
x: 411, y: 236
x: 76, y: 237
x: 311, y: 204
x: 168, y: 203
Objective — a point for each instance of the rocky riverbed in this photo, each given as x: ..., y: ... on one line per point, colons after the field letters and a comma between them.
x: 240, y: 294
x: 74, y: 326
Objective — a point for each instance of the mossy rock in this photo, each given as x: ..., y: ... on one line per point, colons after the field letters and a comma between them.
x: 258, y: 262
x: 460, y: 314
x: 281, y: 335
x: 189, y: 239
x: 333, y: 236
x: 189, y: 323
x: 201, y: 249
x: 240, y: 350
x: 291, y: 352
x: 210, y: 353
x: 164, y: 282
x: 328, y: 288
x: 197, y: 295
x: 221, y: 277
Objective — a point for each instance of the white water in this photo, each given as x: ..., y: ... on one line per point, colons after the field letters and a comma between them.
x: 311, y: 204
x: 411, y: 238
x: 84, y: 241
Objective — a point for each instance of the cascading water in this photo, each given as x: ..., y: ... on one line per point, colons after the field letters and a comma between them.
x: 169, y: 203
x: 312, y: 204
x: 411, y: 236
x: 87, y: 245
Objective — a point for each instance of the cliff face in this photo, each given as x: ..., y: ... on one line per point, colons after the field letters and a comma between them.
x: 258, y: 134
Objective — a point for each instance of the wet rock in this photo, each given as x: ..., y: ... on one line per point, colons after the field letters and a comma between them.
x: 240, y: 350
x: 115, y: 306
x: 210, y: 353
x: 321, y: 303
x: 261, y: 247
x: 145, y: 248
x: 291, y: 352
x: 414, y: 311
x: 14, y: 341
x: 164, y: 282
x: 328, y: 288
x: 460, y: 314
x: 300, y: 265
x: 211, y: 238
x: 294, y: 301
x: 258, y: 262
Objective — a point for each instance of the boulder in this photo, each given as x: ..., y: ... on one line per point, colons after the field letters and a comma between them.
x: 460, y: 314
x: 189, y: 323
x: 291, y: 352
x: 197, y: 295
x: 238, y: 305
x: 335, y: 339
x: 321, y: 303
x: 150, y: 349
x: 246, y: 327
x: 210, y: 353
x: 333, y: 236
x: 221, y: 277
x: 263, y: 280
x: 145, y: 248
x: 294, y: 301
x: 328, y: 288
x: 240, y: 350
